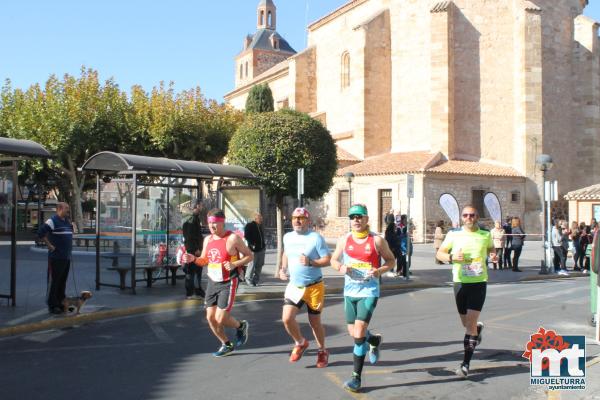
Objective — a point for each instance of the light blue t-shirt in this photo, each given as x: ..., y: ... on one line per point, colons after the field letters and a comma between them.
x: 312, y: 245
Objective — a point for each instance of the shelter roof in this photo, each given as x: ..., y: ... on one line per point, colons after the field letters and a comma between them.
x: 21, y: 147
x: 119, y: 163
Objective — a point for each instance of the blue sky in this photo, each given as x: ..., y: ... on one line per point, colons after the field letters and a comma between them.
x: 191, y: 43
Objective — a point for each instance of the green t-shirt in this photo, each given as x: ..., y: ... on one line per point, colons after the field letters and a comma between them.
x: 474, y: 246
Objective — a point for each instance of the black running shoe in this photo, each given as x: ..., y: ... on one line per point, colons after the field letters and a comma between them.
x: 241, y: 334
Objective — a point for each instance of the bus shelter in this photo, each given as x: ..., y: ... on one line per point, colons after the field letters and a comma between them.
x: 11, y: 152
x: 141, y: 204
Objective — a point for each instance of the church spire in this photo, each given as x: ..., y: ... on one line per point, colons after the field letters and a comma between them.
x: 266, y: 15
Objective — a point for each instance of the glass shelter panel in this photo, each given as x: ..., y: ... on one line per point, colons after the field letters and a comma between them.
x: 151, y: 225
x: 6, y: 206
x: 115, y: 221
x: 181, y: 201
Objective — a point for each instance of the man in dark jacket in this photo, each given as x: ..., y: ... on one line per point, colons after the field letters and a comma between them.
x: 192, y: 238
x: 57, y: 233
x: 255, y: 236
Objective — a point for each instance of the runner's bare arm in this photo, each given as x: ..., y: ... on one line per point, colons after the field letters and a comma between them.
x: 283, y: 268
x: 337, y: 254
x: 199, y: 261
x: 239, y: 247
x: 388, y: 257
x: 316, y: 262
x: 443, y: 254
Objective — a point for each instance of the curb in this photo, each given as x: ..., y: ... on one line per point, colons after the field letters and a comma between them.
x: 81, y: 319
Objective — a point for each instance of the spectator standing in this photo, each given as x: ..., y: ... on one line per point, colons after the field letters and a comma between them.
x: 438, y: 238
x: 576, y: 238
x: 518, y: 238
x: 559, y: 253
x: 57, y: 233
x: 254, y: 234
x: 499, y: 240
x: 193, y: 240
x: 393, y: 241
x: 506, y: 262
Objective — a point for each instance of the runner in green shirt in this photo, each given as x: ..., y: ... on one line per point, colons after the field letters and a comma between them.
x: 467, y: 250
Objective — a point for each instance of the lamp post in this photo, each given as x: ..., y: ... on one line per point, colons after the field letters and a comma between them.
x: 544, y: 163
x: 349, y: 178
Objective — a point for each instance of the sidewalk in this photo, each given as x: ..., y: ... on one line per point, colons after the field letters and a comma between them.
x: 30, y: 314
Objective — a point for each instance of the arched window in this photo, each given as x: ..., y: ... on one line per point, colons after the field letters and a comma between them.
x: 261, y: 18
x: 241, y: 70
x: 246, y: 69
x: 269, y: 19
x: 345, y: 70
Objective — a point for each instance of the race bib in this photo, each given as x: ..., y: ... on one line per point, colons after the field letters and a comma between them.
x: 472, y: 269
x: 215, y: 272
x: 359, y: 271
x: 294, y: 293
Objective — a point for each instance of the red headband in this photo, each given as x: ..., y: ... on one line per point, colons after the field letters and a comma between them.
x: 301, y: 212
x: 213, y: 219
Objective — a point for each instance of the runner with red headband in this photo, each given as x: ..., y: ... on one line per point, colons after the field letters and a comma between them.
x: 221, y: 253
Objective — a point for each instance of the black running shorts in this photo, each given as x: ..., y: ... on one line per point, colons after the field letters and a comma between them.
x: 469, y: 296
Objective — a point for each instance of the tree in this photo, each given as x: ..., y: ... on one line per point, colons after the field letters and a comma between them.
x: 260, y: 99
x: 77, y: 117
x: 274, y: 145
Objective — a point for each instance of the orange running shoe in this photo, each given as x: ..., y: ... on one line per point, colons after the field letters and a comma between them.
x: 322, y: 358
x: 298, y: 350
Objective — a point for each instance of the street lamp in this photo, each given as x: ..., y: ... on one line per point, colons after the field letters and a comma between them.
x: 544, y: 163
x: 349, y: 178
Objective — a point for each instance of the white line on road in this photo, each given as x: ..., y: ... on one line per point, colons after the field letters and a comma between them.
x: 554, y: 293
x: 159, y: 332
x: 27, y: 317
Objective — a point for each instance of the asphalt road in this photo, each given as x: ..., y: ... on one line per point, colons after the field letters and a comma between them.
x: 167, y: 355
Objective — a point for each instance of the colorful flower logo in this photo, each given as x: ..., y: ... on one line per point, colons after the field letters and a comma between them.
x: 543, y: 340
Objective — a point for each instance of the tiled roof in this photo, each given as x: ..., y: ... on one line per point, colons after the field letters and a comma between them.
x: 474, y: 168
x: 587, y: 193
x: 415, y: 162
x: 442, y: 6
x: 390, y: 164
x: 261, y: 41
x: 343, y: 155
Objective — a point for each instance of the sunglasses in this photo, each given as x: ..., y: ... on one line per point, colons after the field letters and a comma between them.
x: 469, y: 215
x: 355, y: 216
x: 298, y: 217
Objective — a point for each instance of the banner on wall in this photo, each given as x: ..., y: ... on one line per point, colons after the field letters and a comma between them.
x: 450, y: 206
x: 493, y: 206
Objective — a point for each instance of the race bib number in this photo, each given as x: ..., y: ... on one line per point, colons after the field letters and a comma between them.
x: 472, y: 269
x: 294, y: 293
x: 359, y: 271
x: 215, y: 272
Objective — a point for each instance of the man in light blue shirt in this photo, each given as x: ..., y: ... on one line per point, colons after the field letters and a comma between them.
x: 304, y: 254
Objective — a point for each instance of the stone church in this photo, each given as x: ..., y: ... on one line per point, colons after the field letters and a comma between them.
x: 463, y: 95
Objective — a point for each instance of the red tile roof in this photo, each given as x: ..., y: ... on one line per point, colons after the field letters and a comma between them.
x: 474, y: 168
x: 586, y: 193
x: 343, y: 155
x: 420, y: 161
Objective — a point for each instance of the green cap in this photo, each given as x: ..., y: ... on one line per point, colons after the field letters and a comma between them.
x: 358, y: 209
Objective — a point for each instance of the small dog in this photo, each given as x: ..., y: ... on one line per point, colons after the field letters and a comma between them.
x: 74, y: 304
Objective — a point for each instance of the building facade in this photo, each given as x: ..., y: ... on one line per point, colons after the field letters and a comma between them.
x: 462, y: 94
